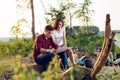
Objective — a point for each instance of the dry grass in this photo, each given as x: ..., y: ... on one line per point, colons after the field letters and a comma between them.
x: 109, y: 73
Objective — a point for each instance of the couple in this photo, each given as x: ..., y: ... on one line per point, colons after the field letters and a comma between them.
x: 46, y: 44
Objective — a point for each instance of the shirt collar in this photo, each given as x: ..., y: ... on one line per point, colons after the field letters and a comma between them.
x: 43, y: 35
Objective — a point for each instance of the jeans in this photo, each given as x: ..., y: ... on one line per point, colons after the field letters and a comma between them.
x: 64, y: 59
x: 47, y: 57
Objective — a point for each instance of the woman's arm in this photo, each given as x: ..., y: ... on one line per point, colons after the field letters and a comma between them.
x: 64, y: 38
x: 53, y: 38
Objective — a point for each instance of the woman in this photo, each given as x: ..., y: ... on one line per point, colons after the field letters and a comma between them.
x: 59, y: 37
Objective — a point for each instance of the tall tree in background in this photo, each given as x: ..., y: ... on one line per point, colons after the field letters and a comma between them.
x: 83, y: 12
x: 33, y: 21
x: 24, y: 6
x: 69, y: 9
x: 66, y: 10
x: 60, y: 12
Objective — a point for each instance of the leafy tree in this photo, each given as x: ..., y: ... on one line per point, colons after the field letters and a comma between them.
x: 93, y: 29
x: 16, y: 29
x: 61, y: 12
x: 85, y: 39
x: 83, y: 12
x: 70, y: 8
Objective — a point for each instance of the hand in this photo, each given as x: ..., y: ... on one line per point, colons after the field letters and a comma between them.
x: 52, y: 51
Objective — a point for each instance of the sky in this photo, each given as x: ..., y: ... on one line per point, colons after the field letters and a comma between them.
x: 9, y: 17
x: 103, y: 7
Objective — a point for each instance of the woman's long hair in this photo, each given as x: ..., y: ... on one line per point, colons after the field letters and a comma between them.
x: 55, y: 24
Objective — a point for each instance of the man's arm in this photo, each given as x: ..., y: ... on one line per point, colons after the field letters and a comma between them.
x: 39, y: 46
x: 42, y: 50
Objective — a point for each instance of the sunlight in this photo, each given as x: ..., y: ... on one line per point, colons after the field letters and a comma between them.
x: 9, y: 17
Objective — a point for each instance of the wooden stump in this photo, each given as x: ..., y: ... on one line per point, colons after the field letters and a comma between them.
x: 107, y: 45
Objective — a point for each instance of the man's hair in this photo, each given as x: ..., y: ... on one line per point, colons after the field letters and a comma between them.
x: 48, y: 27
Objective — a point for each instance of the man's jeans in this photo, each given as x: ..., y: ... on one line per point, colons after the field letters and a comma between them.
x: 47, y: 57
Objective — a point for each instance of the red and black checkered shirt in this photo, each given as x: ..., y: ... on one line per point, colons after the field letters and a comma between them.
x: 42, y: 42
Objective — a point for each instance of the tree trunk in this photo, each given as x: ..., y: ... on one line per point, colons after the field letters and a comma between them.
x: 107, y: 44
x: 33, y: 21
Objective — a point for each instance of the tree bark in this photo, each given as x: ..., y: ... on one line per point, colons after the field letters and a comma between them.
x: 107, y: 44
x: 33, y: 20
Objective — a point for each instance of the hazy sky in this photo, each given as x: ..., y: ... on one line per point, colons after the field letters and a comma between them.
x: 8, y: 15
x: 103, y: 7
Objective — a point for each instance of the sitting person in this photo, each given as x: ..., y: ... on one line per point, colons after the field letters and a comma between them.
x: 59, y: 37
x: 44, y: 49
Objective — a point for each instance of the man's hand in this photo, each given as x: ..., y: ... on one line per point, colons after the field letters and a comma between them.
x: 52, y: 51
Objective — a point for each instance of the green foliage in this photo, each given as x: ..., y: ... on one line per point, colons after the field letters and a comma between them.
x: 16, y: 47
x: 60, y: 12
x: 117, y: 49
x: 4, y: 48
x: 85, y: 38
x: 68, y: 9
x: 24, y: 72
x: 17, y: 31
x: 83, y: 12
x: 93, y: 29
x: 53, y: 72
x: 117, y: 37
x: 13, y: 68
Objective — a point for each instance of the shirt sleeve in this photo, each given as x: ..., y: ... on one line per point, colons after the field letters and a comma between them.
x: 38, y: 43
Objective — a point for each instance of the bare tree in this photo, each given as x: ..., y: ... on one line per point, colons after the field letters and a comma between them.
x: 33, y: 21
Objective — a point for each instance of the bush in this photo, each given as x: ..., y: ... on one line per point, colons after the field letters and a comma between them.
x: 16, y: 47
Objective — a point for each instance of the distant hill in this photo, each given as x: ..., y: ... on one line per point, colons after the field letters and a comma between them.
x: 116, y: 31
x: 3, y: 39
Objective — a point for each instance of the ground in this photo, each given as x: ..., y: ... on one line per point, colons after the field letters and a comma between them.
x: 106, y: 73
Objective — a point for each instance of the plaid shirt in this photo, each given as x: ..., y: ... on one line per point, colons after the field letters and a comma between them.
x: 42, y: 42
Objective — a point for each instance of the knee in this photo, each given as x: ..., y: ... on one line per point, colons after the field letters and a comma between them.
x: 50, y: 56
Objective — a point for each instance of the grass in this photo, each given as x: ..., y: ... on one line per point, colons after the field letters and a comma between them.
x: 16, y: 68
x: 109, y: 73
x: 117, y: 37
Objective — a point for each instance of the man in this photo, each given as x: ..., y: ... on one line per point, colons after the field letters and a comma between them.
x: 44, y: 49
